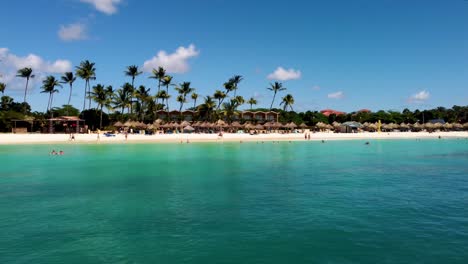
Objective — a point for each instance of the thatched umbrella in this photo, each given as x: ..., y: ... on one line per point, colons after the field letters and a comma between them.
x: 429, y: 126
x: 185, y: 123
x: 321, y: 125
x: 259, y: 127
x: 249, y: 126
x: 336, y: 125
x: 159, y: 121
x: 465, y: 126
x: 236, y: 124
x: 128, y: 123
x: 188, y: 129
x: 417, y: 126
x: 448, y: 126
x: 457, y: 126
x: 118, y: 124
x: 303, y: 125
x: 372, y: 127
x: 291, y: 125
x: 438, y: 125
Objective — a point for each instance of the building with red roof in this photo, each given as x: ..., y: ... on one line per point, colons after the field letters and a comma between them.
x: 327, y: 112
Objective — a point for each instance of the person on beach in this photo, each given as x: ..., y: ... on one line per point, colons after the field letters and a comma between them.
x: 308, y: 136
x: 305, y: 136
x: 126, y: 135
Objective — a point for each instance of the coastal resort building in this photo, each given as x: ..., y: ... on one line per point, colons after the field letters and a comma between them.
x: 175, y: 115
x: 328, y: 112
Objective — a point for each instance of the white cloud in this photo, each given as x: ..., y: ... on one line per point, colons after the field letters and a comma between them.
x: 11, y: 63
x: 282, y: 74
x: 176, y: 62
x: 419, y: 97
x: 108, y: 7
x: 76, y: 31
x: 336, y: 95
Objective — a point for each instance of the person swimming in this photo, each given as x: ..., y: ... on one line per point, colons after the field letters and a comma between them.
x: 367, y: 143
x: 53, y: 152
x: 61, y: 152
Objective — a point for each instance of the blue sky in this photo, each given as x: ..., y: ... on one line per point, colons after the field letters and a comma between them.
x: 345, y: 55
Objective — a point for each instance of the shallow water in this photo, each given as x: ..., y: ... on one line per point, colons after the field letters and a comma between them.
x: 399, y: 201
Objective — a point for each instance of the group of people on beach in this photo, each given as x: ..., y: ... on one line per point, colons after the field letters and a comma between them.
x: 307, y: 136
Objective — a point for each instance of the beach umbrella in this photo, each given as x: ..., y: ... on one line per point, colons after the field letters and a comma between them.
x: 128, y: 123
x: 303, y: 125
x: 118, y: 124
x: 291, y: 125
x: 457, y: 126
x: 188, y: 128
x: 185, y: 123
x: 465, y: 126
x: 158, y: 121
x: 448, y: 126
x: 236, y: 124
x: 259, y: 127
x: 438, y: 125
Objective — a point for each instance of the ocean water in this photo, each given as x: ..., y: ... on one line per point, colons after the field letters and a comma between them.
x: 395, y: 201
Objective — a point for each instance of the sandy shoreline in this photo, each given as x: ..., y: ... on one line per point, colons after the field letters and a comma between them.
x: 12, y: 139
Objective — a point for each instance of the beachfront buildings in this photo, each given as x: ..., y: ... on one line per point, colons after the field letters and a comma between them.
x: 189, y: 115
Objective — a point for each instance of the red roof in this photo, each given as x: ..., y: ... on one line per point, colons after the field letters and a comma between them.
x: 364, y: 111
x: 327, y: 112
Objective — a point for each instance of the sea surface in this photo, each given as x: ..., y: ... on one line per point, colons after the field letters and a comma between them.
x: 392, y: 201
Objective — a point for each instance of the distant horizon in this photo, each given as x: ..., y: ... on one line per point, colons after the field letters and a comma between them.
x: 376, y: 55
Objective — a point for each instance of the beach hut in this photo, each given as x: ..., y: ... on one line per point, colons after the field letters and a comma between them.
x: 350, y: 127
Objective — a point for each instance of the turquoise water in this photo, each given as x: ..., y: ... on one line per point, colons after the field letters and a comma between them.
x: 401, y: 201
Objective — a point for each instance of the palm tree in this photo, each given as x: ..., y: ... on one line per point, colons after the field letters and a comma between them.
x: 235, y: 82
x: 252, y: 101
x: 69, y: 78
x: 180, y: 98
x: 229, y: 86
x: 288, y: 100
x: 167, y: 81
x: 229, y: 109
x: 158, y: 74
x: 142, y: 95
x: 102, y: 96
x: 87, y: 72
x: 276, y: 87
x: 2, y: 88
x: 207, y: 106
x: 133, y: 72
x: 194, y: 98
x: 129, y: 90
x: 219, y: 95
x: 183, y: 89
x: 25, y: 73
x: 163, y: 96
x: 48, y: 86
x: 239, y: 100
x: 121, y: 100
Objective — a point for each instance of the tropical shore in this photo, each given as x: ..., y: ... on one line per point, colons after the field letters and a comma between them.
x: 12, y: 139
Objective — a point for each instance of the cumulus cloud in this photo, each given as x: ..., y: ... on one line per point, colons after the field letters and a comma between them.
x: 108, y: 7
x: 11, y: 63
x: 419, y: 97
x: 336, y: 95
x: 71, y: 32
x: 282, y: 74
x: 176, y: 62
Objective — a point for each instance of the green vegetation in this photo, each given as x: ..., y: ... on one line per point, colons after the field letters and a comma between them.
x: 141, y: 104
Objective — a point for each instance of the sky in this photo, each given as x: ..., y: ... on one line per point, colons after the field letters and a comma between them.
x: 338, y: 54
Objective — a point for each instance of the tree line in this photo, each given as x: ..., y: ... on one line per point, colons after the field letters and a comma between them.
x: 137, y: 102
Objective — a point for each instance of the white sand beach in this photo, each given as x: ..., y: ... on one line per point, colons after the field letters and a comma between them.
x: 9, y: 138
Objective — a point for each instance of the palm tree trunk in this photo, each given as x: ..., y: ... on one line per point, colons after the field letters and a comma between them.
x: 159, y: 89
x: 250, y: 106
x: 180, y: 109
x: 194, y: 103
x: 131, y: 96
x: 271, y: 106
x: 26, y: 89
x: 69, y: 97
x: 89, y: 91
x: 48, y: 103
x: 100, y: 119
x: 51, y: 101
x: 86, y: 90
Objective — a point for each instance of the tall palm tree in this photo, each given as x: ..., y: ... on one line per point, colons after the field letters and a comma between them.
x: 87, y: 72
x: 208, y: 105
x: 158, y: 74
x: 163, y: 96
x: 229, y: 109
x: 121, y: 99
x: 102, y: 96
x: 130, y: 91
x: 229, y: 86
x: 252, y: 101
x: 235, y: 82
x: 276, y: 87
x: 194, y: 98
x: 2, y: 88
x: 183, y: 89
x: 167, y: 81
x: 25, y: 73
x: 180, y: 98
x: 48, y: 86
x: 219, y: 95
x: 69, y: 78
x: 239, y: 100
x: 133, y: 72
x: 142, y: 95
x: 288, y: 100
